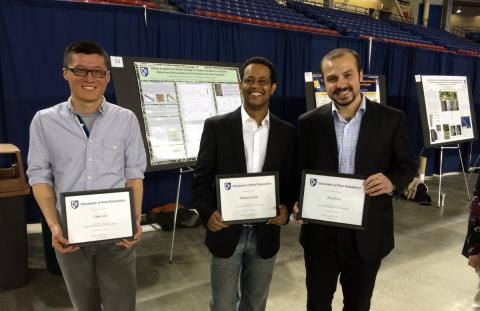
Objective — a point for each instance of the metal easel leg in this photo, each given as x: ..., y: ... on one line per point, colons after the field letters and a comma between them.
x: 463, y: 171
x: 440, y: 201
x: 472, y: 169
x: 470, y: 155
x: 176, y: 211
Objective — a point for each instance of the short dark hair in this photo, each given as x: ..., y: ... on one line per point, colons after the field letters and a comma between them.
x: 339, y: 53
x: 85, y: 47
x: 263, y: 61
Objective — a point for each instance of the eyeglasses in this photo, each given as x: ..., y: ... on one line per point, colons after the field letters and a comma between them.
x: 260, y: 82
x: 82, y: 72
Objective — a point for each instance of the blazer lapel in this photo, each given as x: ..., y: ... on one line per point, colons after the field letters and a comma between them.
x: 331, y: 135
x: 236, y: 133
x: 273, y: 140
x: 364, y: 136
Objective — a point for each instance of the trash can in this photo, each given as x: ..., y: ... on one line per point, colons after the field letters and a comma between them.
x: 13, y: 227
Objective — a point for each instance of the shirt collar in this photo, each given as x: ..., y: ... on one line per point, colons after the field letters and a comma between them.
x: 360, y: 111
x: 246, y: 118
x: 102, y: 110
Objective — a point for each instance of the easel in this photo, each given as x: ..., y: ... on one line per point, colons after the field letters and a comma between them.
x: 177, y: 202
x: 471, y: 168
x: 441, y: 197
x: 433, y: 112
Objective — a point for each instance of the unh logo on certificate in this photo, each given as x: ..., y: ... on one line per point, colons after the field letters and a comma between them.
x: 74, y: 204
x: 313, y: 182
x: 227, y: 185
x: 144, y: 71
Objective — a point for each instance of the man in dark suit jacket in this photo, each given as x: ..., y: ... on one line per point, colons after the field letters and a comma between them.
x: 352, y: 135
x: 247, y: 140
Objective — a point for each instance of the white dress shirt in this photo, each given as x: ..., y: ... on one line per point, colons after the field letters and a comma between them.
x: 255, y: 140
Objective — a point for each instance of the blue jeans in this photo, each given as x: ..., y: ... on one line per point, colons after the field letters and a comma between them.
x: 242, y: 281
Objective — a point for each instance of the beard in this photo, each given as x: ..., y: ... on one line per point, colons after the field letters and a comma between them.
x: 347, y: 102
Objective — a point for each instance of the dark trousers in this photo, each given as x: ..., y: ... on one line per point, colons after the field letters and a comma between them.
x: 339, y: 257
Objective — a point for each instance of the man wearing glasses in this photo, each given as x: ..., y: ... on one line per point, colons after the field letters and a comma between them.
x: 247, y: 140
x: 87, y: 143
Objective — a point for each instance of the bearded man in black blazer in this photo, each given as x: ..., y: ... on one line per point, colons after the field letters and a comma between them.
x: 352, y: 135
x: 247, y: 140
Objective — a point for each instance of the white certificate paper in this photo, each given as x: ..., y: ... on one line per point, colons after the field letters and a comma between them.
x: 247, y: 198
x: 94, y: 217
x: 333, y: 200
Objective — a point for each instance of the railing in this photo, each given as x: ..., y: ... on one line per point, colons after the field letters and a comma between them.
x: 458, y: 31
x: 146, y: 3
x: 461, y: 30
x: 404, y: 19
x: 358, y: 9
x: 351, y: 8
x: 315, y: 2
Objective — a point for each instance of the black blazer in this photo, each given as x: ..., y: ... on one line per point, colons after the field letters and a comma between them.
x: 222, y: 152
x: 382, y: 147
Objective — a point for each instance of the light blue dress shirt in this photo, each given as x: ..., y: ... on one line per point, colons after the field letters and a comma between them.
x: 347, y: 137
x: 61, y: 154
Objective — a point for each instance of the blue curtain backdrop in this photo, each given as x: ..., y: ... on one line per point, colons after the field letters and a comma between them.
x: 33, y: 35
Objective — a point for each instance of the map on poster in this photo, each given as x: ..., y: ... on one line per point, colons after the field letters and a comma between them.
x: 370, y: 86
x: 446, y: 110
x: 175, y: 101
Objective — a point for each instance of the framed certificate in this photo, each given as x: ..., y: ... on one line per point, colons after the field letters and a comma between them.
x: 247, y: 198
x: 98, y: 217
x: 333, y: 199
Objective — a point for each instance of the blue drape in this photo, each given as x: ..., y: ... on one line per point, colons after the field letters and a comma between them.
x: 33, y: 35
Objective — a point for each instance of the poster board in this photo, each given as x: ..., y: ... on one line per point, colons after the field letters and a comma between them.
x: 172, y: 99
x: 373, y: 86
x: 446, y: 110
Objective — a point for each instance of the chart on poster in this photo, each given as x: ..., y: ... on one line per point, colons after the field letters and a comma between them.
x: 446, y: 110
x: 172, y: 101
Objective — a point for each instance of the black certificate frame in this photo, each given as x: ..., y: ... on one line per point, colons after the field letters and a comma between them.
x: 218, y: 180
x: 363, y: 225
x: 64, y: 210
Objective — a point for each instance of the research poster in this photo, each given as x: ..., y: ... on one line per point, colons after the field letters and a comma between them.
x: 446, y: 109
x: 175, y: 101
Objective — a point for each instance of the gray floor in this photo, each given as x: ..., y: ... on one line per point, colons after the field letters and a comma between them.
x: 424, y: 272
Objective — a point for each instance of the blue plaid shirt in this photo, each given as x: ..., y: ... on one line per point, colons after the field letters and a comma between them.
x: 347, y: 137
